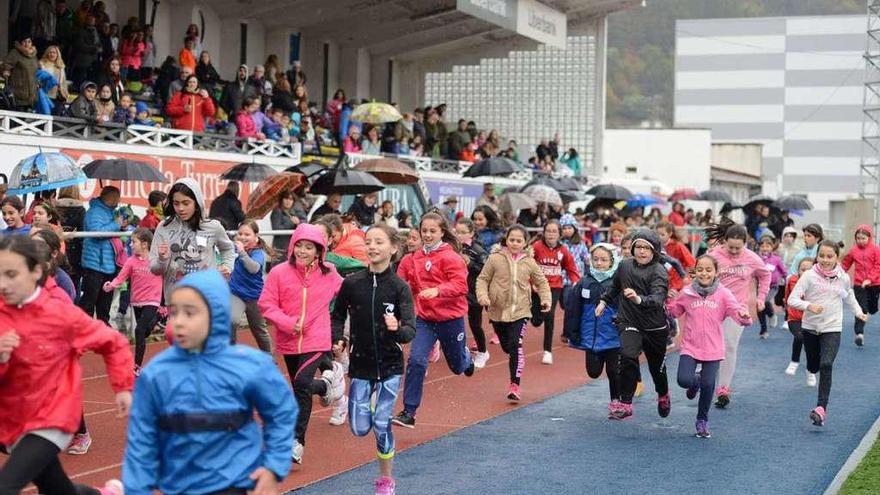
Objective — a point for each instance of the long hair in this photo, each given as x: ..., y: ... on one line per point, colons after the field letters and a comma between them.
x: 168, y: 210
x: 492, y: 220
x: 575, y: 238
x: 725, y: 229
x: 34, y: 255
x: 56, y: 260
x: 394, y: 238
x: 59, y: 62
x: 261, y: 243
x: 448, y: 235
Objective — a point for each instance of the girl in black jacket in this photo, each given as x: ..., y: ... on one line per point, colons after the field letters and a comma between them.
x: 380, y: 306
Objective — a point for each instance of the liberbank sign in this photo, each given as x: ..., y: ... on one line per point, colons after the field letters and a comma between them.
x: 526, y: 17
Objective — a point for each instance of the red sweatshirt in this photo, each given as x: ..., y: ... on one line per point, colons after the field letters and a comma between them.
x: 680, y: 252
x: 444, y: 269
x: 793, y: 314
x: 553, y: 260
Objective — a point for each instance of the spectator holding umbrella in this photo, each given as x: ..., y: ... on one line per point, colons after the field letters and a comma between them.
x: 189, y: 108
x: 330, y: 206
x: 364, y: 209
x: 99, y: 255
x: 227, y: 207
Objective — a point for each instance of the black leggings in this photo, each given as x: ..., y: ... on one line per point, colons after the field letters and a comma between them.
x: 510, y: 335
x: 146, y: 317
x: 301, y: 369
x: 548, y: 319
x: 797, y: 344
x: 608, y: 359
x: 867, y: 298
x: 475, y: 321
x: 35, y: 459
x: 632, y: 344
x: 821, y: 350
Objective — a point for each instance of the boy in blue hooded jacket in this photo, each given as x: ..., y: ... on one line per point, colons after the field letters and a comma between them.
x: 192, y: 427
x: 597, y: 335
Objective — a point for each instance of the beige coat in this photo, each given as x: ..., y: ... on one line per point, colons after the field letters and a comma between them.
x: 508, y: 285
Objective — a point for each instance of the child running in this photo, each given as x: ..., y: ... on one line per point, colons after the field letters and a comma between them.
x: 380, y: 306
x: 706, y: 303
x: 504, y: 287
x: 554, y: 259
x: 820, y: 294
x: 865, y: 255
x: 813, y: 235
x: 181, y: 442
x: 794, y: 317
x: 437, y: 275
x: 146, y: 291
x: 41, y: 389
x: 737, y: 267
x: 597, y: 335
x: 246, y: 282
x: 773, y: 263
x: 295, y: 299
x: 639, y: 290
x: 476, y: 255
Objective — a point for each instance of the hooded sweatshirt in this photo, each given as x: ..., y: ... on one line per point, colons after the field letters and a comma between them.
x: 651, y: 283
x: 190, y: 251
x: 736, y: 273
x: 298, y: 295
x: 703, y: 335
x: 192, y: 426
x: 440, y: 268
x: 866, y: 259
x: 815, y: 287
x: 789, y: 251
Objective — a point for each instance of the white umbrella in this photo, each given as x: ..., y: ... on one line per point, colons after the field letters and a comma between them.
x: 514, y: 201
x: 544, y: 194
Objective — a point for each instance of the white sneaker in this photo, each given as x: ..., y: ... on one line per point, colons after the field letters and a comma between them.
x: 480, y: 359
x: 335, y: 379
x: 296, y: 453
x: 785, y: 325
x: 340, y: 412
x: 548, y: 358
x: 113, y: 487
x: 811, y: 379
x: 792, y: 368
x: 773, y: 320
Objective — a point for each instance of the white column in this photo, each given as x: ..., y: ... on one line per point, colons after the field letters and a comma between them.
x: 596, y: 167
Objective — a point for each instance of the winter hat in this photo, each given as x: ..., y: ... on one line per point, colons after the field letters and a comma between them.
x: 141, y: 107
x: 86, y: 85
x: 789, y: 230
x: 568, y: 219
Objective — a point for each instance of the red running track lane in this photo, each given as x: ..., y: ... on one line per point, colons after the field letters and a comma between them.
x: 450, y: 403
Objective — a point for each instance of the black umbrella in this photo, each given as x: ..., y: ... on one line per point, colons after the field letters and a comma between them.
x: 715, y: 195
x: 792, y: 202
x: 561, y: 184
x: 610, y: 191
x: 344, y: 181
x: 123, y: 169
x: 571, y: 196
x: 248, y: 172
x: 728, y: 207
x: 307, y: 169
x: 758, y: 199
x: 494, y: 166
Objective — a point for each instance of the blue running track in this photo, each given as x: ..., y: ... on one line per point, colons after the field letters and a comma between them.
x: 763, y: 443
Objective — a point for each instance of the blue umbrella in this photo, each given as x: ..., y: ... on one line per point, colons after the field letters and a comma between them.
x: 641, y: 201
x: 43, y: 172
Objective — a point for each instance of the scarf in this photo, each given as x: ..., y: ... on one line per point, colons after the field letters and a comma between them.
x: 705, y: 291
x: 602, y: 275
x: 825, y: 273
x: 430, y: 249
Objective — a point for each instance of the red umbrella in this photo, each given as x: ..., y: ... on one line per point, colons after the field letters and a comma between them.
x: 265, y: 196
x: 683, y: 194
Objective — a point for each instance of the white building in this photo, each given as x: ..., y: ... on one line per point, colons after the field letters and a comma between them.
x: 677, y: 157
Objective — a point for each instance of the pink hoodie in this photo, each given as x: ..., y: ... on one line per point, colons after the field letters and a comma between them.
x: 736, y: 273
x: 301, y: 295
x: 703, y: 335
x: 146, y: 287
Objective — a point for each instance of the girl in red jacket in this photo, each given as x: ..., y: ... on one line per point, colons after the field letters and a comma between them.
x: 553, y: 257
x: 437, y: 275
x: 865, y: 255
x: 189, y: 108
x: 43, y: 335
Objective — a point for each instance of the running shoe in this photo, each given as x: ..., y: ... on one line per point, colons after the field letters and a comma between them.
x: 494, y: 339
x: 547, y: 358
x: 664, y: 405
x: 121, y: 322
x: 469, y: 371
x: 112, y: 487
x: 773, y: 320
x: 860, y: 339
x: 296, y: 454
x: 340, y: 411
x: 693, y: 389
x: 480, y: 359
x: 404, y: 419
x: 640, y: 389
x: 785, y: 325
x: 80, y: 444
x: 792, y: 368
x: 513, y: 392
x: 385, y: 485
x: 764, y: 334
x: 435, y: 353
x: 335, y: 379
x: 703, y: 429
x: 623, y: 412
x: 613, y: 406
x: 722, y: 399
x: 811, y: 379
x: 817, y: 416
x: 137, y: 370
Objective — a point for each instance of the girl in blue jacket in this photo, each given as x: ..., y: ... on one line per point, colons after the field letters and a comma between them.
x: 192, y: 427
x: 246, y: 282
x: 598, y: 336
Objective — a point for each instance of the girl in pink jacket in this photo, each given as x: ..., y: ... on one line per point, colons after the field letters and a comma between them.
x: 865, y: 256
x: 737, y: 267
x: 706, y: 303
x: 295, y: 300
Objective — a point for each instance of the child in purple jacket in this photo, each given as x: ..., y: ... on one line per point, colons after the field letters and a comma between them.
x: 778, y: 274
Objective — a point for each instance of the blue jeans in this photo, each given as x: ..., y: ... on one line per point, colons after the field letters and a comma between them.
x: 361, y: 416
x: 687, y: 378
x: 452, y: 342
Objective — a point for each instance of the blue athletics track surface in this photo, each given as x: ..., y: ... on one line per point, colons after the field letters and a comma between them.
x: 763, y: 443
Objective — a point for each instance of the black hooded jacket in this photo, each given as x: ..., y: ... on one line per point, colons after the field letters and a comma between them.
x: 376, y: 352
x: 650, y: 282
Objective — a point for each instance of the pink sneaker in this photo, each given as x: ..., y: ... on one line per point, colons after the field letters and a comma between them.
x: 513, y: 393
x: 80, y: 444
x: 613, y: 406
x: 624, y: 411
x: 722, y: 397
x: 112, y: 487
x: 435, y: 353
x: 818, y: 416
x: 385, y: 485
x: 494, y: 339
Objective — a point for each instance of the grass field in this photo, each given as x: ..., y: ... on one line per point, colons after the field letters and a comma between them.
x: 866, y: 478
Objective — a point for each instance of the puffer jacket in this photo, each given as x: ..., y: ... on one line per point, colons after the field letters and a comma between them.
x: 194, y: 119
x: 582, y: 328
x: 192, y: 426
x: 24, y: 74
x: 866, y: 259
x: 98, y: 254
x: 443, y: 269
x: 651, y: 283
x: 366, y: 297
x: 508, y: 282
